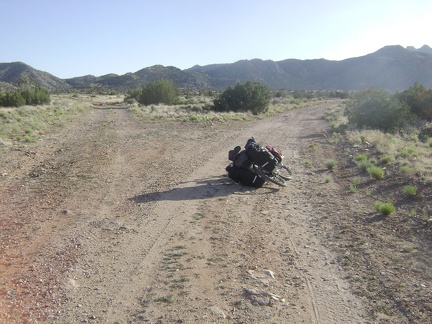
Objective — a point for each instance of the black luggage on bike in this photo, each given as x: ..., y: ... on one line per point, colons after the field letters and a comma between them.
x: 261, y: 157
x: 244, y: 176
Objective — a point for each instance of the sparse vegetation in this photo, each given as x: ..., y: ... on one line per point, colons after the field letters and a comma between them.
x: 164, y: 299
x: 199, y: 109
x: 28, y: 123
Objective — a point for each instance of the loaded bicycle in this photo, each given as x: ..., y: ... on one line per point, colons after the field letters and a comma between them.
x: 257, y: 164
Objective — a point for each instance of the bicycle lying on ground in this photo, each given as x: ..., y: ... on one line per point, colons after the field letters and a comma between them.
x: 279, y: 175
x: 257, y: 164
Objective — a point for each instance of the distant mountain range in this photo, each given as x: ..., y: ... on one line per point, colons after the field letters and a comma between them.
x: 393, y: 68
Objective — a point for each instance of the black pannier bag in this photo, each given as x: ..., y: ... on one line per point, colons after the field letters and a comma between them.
x: 244, y: 176
x: 242, y: 160
x: 260, y: 156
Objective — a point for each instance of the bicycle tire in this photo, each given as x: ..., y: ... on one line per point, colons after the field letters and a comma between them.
x: 275, y: 178
x: 284, y: 170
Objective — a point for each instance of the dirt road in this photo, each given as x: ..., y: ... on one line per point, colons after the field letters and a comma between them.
x: 114, y: 220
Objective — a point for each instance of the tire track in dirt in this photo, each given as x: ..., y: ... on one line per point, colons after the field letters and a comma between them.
x: 317, y: 305
x: 328, y: 303
x: 131, y: 241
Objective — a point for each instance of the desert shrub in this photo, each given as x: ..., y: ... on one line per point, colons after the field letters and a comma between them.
x: 384, y: 208
x: 407, y: 170
x: 28, y: 96
x: 336, y: 137
x: 251, y: 96
x: 132, y: 95
x: 36, y: 96
x: 406, y: 152
x: 377, y: 109
x: 361, y: 157
x: 375, y: 171
x: 425, y: 132
x: 363, y: 165
x: 410, y: 190
x: 330, y: 164
x: 161, y: 91
x: 419, y: 99
x: 12, y: 99
x: 386, y: 159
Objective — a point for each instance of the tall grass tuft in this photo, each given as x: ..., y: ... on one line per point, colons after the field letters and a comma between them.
x: 361, y: 157
x: 386, y: 159
x: 410, y: 190
x: 363, y: 165
x: 376, y: 172
x: 354, y: 185
x: 330, y: 164
x: 384, y: 208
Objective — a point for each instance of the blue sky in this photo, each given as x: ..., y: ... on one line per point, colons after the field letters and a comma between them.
x: 80, y: 37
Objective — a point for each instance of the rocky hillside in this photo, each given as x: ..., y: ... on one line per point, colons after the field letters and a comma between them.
x: 11, y: 73
x: 393, y: 68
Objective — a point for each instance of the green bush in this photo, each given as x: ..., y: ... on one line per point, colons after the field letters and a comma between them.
x: 419, y: 99
x: 361, y: 157
x: 375, y: 171
x: 410, y: 190
x: 251, y: 96
x: 425, y: 132
x: 384, y: 208
x: 161, y: 91
x: 377, y: 109
x: 36, y: 96
x: 386, y: 159
x: 12, y: 99
x: 363, y: 165
x: 407, y: 170
x: 28, y: 96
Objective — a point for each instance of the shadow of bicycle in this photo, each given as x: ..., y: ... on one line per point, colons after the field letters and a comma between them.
x: 218, y: 186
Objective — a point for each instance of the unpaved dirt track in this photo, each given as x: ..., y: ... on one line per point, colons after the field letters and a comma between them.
x: 118, y: 220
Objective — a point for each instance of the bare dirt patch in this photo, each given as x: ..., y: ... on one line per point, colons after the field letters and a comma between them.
x: 119, y: 220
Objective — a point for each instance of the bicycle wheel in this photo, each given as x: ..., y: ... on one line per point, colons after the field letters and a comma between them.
x: 284, y: 172
x: 272, y: 177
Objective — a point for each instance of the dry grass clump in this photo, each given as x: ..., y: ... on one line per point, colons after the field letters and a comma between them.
x: 281, y: 104
x: 404, y: 151
x: 192, y: 113
x: 199, y: 109
x: 30, y: 123
x: 338, y: 121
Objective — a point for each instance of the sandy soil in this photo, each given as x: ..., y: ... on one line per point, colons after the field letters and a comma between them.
x: 115, y: 220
